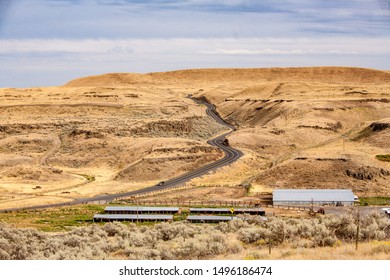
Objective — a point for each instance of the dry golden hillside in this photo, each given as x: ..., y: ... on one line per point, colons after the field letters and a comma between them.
x: 317, y: 131
x: 61, y: 143
x: 237, y: 75
x: 315, y: 127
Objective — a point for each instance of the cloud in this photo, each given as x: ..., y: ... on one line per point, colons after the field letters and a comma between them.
x: 194, y: 18
x: 50, y: 46
x: 205, y: 46
x: 77, y: 38
x: 273, y: 52
x: 93, y: 56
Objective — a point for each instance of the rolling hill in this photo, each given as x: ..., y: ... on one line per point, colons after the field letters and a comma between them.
x: 313, y: 127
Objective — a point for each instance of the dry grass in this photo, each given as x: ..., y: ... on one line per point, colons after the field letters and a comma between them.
x: 129, y: 131
x: 375, y: 250
x: 126, y: 138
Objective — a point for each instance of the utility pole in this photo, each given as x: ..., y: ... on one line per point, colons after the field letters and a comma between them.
x: 137, y: 212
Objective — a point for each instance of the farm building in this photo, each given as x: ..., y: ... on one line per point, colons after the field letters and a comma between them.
x: 250, y: 211
x: 140, y: 210
x: 210, y: 219
x: 131, y: 218
x: 315, y: 196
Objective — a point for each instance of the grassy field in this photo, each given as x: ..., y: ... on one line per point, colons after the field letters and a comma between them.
x: 376, y: 200
x: 54, y: 219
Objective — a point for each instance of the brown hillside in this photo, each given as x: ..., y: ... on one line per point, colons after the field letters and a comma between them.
x: 313, y: 127
x: 110, y: 80
x: 318, y: 74
x: 316, y: 115
x: 312, y: 74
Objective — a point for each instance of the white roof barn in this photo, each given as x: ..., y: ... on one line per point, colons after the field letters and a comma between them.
x: 315, y: 196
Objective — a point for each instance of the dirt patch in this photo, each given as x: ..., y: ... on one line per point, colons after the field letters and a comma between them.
x: 33, y: 173
x: 207, y: 193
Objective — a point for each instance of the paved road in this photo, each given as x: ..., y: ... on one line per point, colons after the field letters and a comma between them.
x: 231, y: 155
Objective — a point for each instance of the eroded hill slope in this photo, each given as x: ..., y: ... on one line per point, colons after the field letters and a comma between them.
x: 315, y: 127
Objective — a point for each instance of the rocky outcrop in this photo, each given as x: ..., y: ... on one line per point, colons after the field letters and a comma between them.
x: 367, y: 173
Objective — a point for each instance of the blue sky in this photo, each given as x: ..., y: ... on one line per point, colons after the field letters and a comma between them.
x: 48, y: 42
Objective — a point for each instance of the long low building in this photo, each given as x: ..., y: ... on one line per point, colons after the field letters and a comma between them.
x: 131, y: 218
x: 313, y: 196
x: 250, y: 211
x: 140, y: 210
x: 209, y: 219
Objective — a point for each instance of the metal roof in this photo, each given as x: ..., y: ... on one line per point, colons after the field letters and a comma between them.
x: 140, y: 209
x: 226, y: 209
x: 211, y: 218
x: 210, y: 210
x: 132, y: 217
x: 248, y: 209
x: 315, y: 195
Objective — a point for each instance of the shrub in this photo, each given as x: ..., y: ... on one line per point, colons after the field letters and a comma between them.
x: 187, y: 241
x: 183, y: 230
x: 116, y: 228
x: 253, y: 234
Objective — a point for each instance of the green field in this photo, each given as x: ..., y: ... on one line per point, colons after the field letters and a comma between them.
x: 376, y: 200
x: 53, y: 219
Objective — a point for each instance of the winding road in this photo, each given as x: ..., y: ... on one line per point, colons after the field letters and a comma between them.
x: 231, y: 155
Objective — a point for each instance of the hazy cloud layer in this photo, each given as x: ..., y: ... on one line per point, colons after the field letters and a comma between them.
x: 63, y: 39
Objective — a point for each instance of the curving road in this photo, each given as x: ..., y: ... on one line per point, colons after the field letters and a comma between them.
x: 231, y: 155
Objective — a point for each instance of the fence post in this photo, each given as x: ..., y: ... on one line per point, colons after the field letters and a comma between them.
x: 357, y: 229
x: 269, y: 244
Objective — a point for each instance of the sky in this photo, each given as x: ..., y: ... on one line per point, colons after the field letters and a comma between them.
x: 49, y: 42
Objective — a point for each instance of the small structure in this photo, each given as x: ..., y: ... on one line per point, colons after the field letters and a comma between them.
x: 210, y: 219
x: 250, y: 211
x: 313, y: 196
x: 140, y: 210
x: 131, y: 218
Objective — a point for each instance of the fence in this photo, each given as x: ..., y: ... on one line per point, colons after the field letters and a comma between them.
x: 178, y: 202
x: 297, y: 207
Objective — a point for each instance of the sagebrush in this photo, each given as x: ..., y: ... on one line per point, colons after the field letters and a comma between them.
x: 182, y: 240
